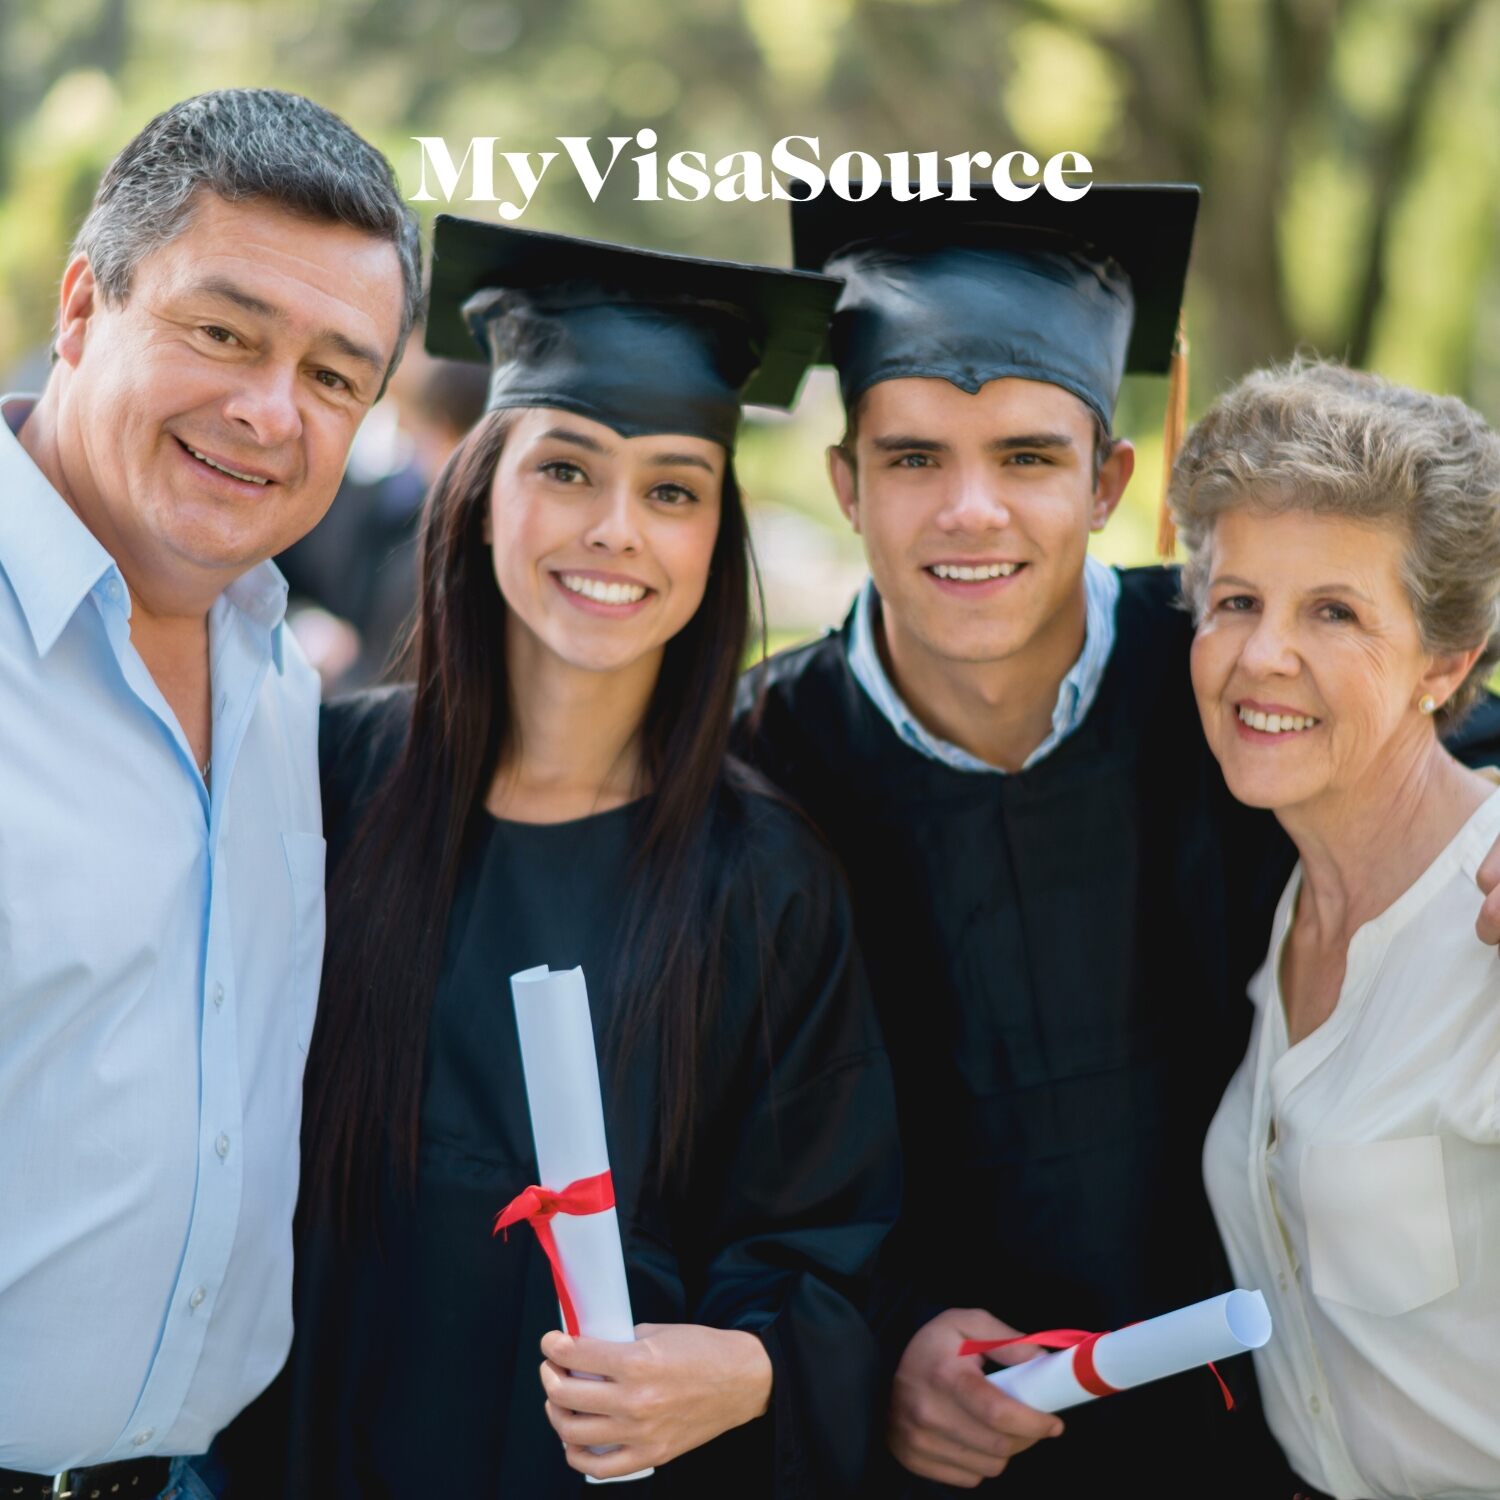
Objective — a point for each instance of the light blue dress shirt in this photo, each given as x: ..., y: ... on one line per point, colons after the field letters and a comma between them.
x: 1075, y: 696
x: 159, y: 958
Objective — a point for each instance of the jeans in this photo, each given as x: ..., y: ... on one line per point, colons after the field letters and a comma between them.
x: 191, y: 1479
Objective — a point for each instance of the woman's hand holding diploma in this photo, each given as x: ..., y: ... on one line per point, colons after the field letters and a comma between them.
x: 676, y: 1387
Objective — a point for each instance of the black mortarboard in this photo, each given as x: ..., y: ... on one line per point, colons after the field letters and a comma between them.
x: 1074, y: 294
x: 640, y: 340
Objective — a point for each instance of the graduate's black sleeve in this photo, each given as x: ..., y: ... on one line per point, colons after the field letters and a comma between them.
x: 360, y: 739
x: 809, y: 1180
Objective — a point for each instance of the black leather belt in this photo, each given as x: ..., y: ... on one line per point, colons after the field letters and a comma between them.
x: 137, y: 1479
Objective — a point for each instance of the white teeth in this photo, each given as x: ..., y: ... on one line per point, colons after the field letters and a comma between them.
x: 601, y: 592
x: 224, y: 468
x: 1275, y: 723
x: 974, y: 575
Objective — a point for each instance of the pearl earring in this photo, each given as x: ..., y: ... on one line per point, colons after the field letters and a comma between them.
x: 1428, y: 704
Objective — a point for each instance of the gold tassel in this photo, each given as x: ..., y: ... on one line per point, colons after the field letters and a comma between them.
x: 1173, y: 432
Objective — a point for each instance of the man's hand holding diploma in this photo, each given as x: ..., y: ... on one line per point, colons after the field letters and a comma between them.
x: 947, y: 1422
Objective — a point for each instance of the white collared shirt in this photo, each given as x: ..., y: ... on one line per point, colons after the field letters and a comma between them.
x: 1355, y: 1178
x: 1075, y: 694
x: 160, y: 946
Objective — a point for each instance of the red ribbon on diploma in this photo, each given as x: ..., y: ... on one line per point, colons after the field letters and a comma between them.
x: 538, y: 1206
x: 1082, y: 1344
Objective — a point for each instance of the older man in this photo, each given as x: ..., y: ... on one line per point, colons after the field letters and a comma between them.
x: 237, y: 296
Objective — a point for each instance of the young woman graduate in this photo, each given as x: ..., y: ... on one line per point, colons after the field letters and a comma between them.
x: 555, y: 790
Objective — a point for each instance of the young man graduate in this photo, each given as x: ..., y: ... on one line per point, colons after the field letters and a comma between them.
x: 1059, y: 902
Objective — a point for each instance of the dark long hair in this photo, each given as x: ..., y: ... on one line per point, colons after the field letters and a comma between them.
x: 391, y: 893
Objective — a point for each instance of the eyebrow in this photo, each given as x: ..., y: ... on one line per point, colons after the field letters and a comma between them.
x: 690, y: 459
x: 577, y: 439
x: 1340, y: 588
x: 222, y: 287
x: 1233, y: 580
x: 1029, y: 441
x: 593, y: 445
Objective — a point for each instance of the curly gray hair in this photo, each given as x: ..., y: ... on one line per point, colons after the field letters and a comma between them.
x: 1318, y: 436
x: 241, y: 144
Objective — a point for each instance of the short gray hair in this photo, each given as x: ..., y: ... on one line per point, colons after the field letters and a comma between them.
x: 243, y: 144
x: 1321, y: 437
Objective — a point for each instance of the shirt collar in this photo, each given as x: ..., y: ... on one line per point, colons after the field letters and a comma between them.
x: 260, y: 595
x: 50, y: 557
x: 1075, y: 695
x: 53, y: 560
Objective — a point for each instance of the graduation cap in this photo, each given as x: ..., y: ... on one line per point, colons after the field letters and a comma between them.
x: 641, y: 340
x: 1075, y: 294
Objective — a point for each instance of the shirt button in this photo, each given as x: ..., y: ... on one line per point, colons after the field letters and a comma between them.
x: 1314, y: 1405
x: 1281, y: 1280
x: 218, y: 995
x: 142, y: 1438
x: 112, y: 588
x: 222, y: 1145
x: 196, y: 1300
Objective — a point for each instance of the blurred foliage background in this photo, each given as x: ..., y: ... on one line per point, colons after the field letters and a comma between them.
x: 1349, y: 152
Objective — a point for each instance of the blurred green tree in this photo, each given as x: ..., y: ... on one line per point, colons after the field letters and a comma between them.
x: 1349, y: 150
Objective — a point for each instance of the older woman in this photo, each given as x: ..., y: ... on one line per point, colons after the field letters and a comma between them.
x: 1344, y: 570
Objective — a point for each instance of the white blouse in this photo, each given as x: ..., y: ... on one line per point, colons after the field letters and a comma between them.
x: 1356, y: 1181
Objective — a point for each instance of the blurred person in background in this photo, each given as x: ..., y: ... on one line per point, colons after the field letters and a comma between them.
x: 354, y: 576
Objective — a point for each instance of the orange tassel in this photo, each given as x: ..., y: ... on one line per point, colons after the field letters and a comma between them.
x: 1173, y: 432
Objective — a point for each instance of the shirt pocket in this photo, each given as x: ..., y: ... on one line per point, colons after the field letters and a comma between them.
x: 306, y: 854
x: 1379, y: 1236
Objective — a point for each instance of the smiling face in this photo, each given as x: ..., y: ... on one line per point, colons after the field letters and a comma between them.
x: 204, y: 422
x: 975, y: 511
x: 1308, y: 665
x: 602, y: 544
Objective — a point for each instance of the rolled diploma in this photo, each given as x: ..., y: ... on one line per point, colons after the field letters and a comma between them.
x: 567, y: 1125
x: 1177, y: 1341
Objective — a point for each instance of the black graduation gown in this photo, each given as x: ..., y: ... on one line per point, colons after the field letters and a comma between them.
x: 414, y: 1369
x: 1059, y: 959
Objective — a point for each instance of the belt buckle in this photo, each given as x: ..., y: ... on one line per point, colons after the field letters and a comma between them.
x: 62, y: 1484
